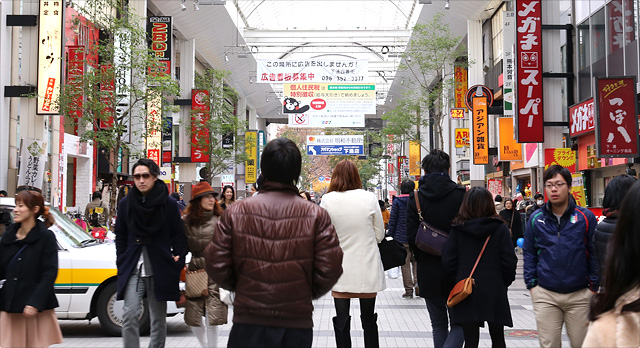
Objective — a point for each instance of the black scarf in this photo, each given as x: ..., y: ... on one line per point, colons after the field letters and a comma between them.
x: 146, y: 214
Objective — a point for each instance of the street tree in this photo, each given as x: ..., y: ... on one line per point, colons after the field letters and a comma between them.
x: 432, y: 47
x: 109, y: 103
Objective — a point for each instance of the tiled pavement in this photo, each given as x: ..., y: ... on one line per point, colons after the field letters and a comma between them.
x: 402, y: 323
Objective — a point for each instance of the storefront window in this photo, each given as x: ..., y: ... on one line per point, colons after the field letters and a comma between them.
x: 598, y: 40
x: 584, y: 61
x: 631, y: 49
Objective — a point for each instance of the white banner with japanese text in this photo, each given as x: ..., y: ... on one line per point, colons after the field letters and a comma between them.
x: 49, y: 56
x: 32, y: 160
x: 329, y: 99
x: 312, y: 70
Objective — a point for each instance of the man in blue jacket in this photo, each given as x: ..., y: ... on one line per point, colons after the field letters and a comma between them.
x: 560, y: 268
x: 150, y: 248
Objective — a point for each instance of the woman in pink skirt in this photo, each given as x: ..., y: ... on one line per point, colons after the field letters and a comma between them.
x: 28, y: 269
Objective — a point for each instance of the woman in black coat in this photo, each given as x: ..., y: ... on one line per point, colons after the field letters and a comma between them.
x: 496, y: 270
x: 514, y: 222
x: 28, y: 267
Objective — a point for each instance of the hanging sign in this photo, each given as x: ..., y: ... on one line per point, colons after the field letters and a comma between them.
x: 577, y: 189
x: 160, y: 34
x: 529, y: 121
x: 480, y: 131
x: 581, y: 118
x: 313, y: 70
x: 49, y: 55
x: 414, y: 158
x: 561, y: 156
x: 32, y: 160
x: 508, y: 66
x: 154, y: 132
x: 616, y: 117
x: 335, y: 145
x: 251, y: 164
x: 323, y: 121
x: 403, y: 168
x: 75, y: 75
x: 200, y: 108
x: 329, y: 99
x: 462, y: 137
x: 621, y: 24
x: 107, y: 93
x: 495, y: 187
x: 461, y: 84
x: 458, y: 113
x: 508, y: 148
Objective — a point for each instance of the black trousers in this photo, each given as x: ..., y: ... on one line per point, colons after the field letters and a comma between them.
x: 472, y: 335
x: 250, y: 336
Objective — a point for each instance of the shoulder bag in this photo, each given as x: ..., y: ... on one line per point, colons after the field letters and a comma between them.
x: 464, y: 287
x: 196, y: 283
x: 392, y: 253
x: 429, y: 239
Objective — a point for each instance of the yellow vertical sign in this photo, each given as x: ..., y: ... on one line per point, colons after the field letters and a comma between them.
x: 577, y: 189
x: 480, y: 131
x: 251, y: 164
x: 414, y: 158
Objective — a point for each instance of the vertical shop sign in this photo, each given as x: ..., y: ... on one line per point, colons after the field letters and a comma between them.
x: 167, y: 139
x: 414, y: 158
x: 461, y: 86
x: 458, y: 113
x: 200, y: 108
x: 49, y: 55
x: 564, y: 157
x: 262, y: 142
x: 32, y: 160
x: 508, y: 67
x: 508, y: 148
x: 529, y: 121
x: 495, y: 187
x: 251, y: 164
x: 462, y: 137
x: 75, y: 74
x: 401, y: 168
x: 159, y: 31
x: 154, y: 132
x: 480, y: 131
x: 577, y: 189
x: 616, y: 117
x: 581, y: 118
x: 621, y: 23
x: 107, y: 95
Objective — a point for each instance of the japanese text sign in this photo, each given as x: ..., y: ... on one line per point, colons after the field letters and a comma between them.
x: 107, y: 95
x: 324, y: 121
x: 329, y: 99
x: 462, y: 137
x: 529, y: 71
x: 458, y: 113
x: 581, y: 118
x: 495, y: 187
x: 49, y: 55
x: 561, y: 156
x: 314, y: 70
x: 508, y: 148
x: 251, y: 164
x: 616, y: 117
x: 480, y: 131
x: 335, y: 145
x: 508, y: 61
x: 154, y: 132
x: 461, y: 84
x: 621, y: 23
x: 577, y: 189
x: 403, y: 168
x: 414, y: 158
x: 200, y: 108
x: 75, y: 75
x: 160, y: 34
x: 32, y: 161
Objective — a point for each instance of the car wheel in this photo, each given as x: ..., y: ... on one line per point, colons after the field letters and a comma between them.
x: 111, y: 312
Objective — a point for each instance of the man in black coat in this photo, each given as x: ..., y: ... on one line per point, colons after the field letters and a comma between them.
x: 151, y: 247
x: 440, y: 199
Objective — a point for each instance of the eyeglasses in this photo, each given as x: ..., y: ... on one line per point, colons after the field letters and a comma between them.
x: 557, y: 185
x: 144, y: 176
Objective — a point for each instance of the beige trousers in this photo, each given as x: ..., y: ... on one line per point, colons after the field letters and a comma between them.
x: 409, y: 269
x: 552, y: 309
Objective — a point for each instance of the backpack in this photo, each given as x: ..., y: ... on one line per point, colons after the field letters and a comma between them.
x: 94, y: 216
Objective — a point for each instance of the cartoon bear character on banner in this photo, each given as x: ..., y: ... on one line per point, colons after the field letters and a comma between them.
x: 292, y: 106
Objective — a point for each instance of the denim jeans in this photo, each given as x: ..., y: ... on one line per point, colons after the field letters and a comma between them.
x: 136, y: 288
x: 442, y: 337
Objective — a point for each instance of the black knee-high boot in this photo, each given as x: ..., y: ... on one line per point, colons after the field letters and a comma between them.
x: 371, y: 332
x: 341, y: 329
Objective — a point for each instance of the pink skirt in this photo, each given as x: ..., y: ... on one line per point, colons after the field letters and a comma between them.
x: 40, y: 331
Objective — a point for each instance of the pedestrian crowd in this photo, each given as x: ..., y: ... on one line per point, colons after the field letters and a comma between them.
x: 271, y: 254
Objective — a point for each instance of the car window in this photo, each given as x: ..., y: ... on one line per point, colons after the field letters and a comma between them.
x: 66, y: 229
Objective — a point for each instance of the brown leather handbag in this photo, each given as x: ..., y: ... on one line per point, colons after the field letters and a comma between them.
x: 464, y: 287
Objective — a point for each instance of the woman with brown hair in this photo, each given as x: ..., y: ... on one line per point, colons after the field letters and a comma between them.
x: 478, y: 225
x: 356, y: 215
x: 28, y: 269
x: 201, y: 217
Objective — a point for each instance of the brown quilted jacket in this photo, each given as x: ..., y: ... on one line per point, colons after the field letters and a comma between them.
x: 277, y: 251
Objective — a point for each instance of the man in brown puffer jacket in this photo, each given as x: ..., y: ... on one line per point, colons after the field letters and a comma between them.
x: 277, y: 251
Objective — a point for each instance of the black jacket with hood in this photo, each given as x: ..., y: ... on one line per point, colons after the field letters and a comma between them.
x: 440, y: 200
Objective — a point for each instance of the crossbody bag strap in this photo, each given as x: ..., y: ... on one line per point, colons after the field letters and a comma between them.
x: 513, y: 213
x: 15, y: 256
x: 415, y: 195
x: 479, y: 256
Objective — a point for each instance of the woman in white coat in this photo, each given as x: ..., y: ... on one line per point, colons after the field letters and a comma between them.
x: 356, y: 215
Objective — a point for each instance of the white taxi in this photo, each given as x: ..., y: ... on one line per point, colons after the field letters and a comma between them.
x: 86, y: 285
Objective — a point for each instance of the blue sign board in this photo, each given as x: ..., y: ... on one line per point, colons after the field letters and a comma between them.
x: 328, y: 150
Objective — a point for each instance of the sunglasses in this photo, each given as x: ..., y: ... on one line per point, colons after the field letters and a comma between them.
x: 144, y: 176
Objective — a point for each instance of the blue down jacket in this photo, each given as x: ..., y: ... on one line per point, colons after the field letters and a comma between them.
x: 561, y: 257
x: 398, y: 219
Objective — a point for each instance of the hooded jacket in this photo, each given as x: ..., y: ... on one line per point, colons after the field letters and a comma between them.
x: 440, y: 200
x: 30, y: 279
x: 496, y: 270
x: 560, y: 257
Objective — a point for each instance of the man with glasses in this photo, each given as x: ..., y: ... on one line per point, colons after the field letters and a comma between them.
x: 560, y: 269
x: 150, y: 247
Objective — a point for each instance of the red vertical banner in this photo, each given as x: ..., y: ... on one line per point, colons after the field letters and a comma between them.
x: 401, y: 160
x: 529, y: 121
x: 621, y: 23
x: 107, y: 95
x: 200, y: 109
x: 480, y: 131
x: 75, y: 73
x: 159, y: 31
x: 461, y: 86
x: 616, y: 117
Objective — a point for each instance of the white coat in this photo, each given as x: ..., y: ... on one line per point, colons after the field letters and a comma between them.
x: 358, y: 221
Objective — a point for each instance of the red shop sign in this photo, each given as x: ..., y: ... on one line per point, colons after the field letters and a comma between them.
x: 200, y: 109
x: 529, y: 71
x: 616, y: 117
x: 581, y: 119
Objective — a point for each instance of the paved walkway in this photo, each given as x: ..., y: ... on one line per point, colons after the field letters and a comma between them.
x: 402, y: 323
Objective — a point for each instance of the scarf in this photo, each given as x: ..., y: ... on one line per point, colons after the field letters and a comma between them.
x: 277, y: 186
x: 146, y: 215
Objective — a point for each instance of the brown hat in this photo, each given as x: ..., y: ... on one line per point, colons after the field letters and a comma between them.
x: 200, y: 189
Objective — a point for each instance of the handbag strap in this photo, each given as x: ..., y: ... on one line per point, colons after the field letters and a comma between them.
x: 513, y: 213
x: 415, y: 195
x: 479, y: 256
x: 16, y: 256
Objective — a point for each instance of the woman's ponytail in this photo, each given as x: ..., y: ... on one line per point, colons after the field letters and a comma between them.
x: 48, y: 218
